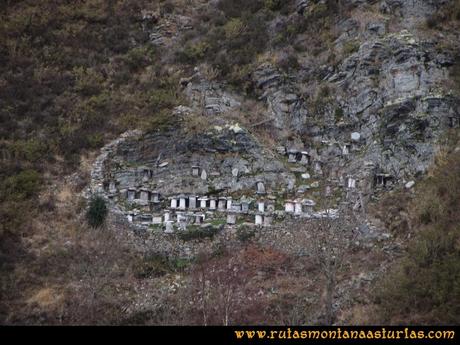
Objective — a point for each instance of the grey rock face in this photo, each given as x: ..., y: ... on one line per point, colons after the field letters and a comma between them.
x: 301, y: 5
x: 391, y: 92
x: 377, y: 126
x: 284, y: 104
x: 207, y: 97
x: 210, y: 151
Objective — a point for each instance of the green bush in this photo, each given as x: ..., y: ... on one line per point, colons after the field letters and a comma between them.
x: 88, y: 82
x: 138, y: 58
x: 21, y: 186
x: 151, y: 266
x: 338, y: 114
x: 236, y: 8
x: 156, y: 265
x: 350, y: 47
x: 234, y: 28
x: 198, y: 233
x: 289, y: 64
x: 162, y: 98
x: 33, y: 150
x: 317, y: 11
x: 160, y: 122
x: 97, y: 212
x: 95, y: 140
x: 245, y: 234
x: 274, y: 5
x: 167, y: 8
x: 192, y: 53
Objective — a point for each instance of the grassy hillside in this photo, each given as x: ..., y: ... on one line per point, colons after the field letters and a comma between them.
x: 76, y: 74
x: 72, y: 75
x: 424, y: 286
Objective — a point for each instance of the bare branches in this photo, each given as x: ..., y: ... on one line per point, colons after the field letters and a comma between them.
x: 333, y: 236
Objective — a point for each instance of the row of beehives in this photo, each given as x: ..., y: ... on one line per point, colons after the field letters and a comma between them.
x: 263, y: 208
x: 170, y: 220
x: 227, y: 204
x: 305, y: 158
x: 144, y: 197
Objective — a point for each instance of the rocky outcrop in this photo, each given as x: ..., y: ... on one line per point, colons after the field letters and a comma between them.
x: 208, y: 98
x: 282, y: 96
x: 354, y: 128
x: 392, y: 92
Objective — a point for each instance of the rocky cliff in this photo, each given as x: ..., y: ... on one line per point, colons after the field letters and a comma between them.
x: 367, y: 120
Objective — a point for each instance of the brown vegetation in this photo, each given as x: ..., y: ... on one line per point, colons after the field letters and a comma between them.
x: 425, y: 282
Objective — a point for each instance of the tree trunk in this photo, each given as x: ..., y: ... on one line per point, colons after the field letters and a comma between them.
x: 330, y: 287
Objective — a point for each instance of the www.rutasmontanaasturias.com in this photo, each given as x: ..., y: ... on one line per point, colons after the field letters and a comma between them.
x: 340, y: 333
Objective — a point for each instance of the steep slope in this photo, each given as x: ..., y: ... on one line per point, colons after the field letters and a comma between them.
x: 281, y: 116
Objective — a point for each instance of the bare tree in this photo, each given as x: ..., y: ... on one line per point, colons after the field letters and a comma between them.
x: 222, y: 287
x: 215, y: 286
x: 334, y: 235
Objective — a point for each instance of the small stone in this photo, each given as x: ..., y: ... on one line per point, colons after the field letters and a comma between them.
x: 236, y: 128
x: 306, y: 176
x: 410, y: 184
x: 355, y: 136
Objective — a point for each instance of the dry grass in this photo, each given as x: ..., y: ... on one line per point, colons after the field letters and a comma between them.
x: 367, y: 15
x: 62, y: 263
x: 46, y: 298
x: 361, y: 315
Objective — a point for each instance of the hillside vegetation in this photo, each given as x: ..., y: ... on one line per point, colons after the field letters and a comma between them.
x: 424, y: 286
x: 72, y: 75
x: 76, y: 74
